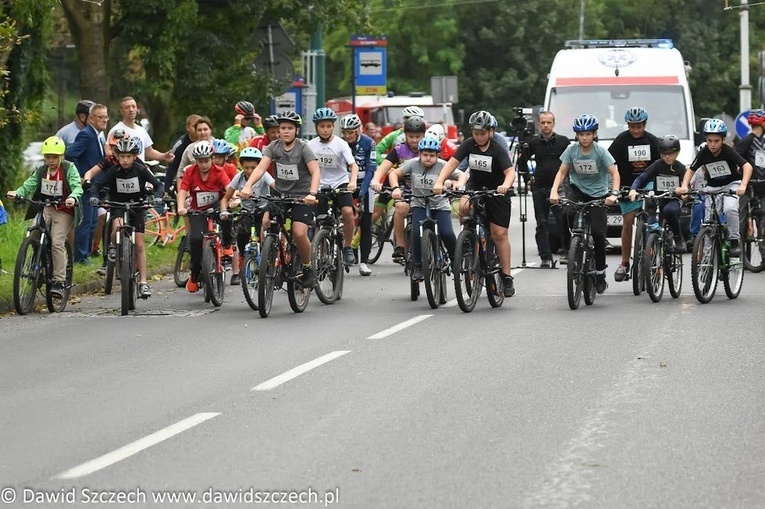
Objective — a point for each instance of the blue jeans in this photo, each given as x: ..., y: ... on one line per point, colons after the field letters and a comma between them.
x: 443, y: 219
x: 83, y: 234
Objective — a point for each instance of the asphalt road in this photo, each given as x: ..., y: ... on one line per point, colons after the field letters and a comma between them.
x: 624, y: 403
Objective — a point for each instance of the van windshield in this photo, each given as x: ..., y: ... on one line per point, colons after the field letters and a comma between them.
x: 665, y: 106
x: 435, y: 114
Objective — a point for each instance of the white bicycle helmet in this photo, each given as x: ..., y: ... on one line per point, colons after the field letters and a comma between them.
x: 351, y: 121
x: 203, y: 150
x: 436, y: 131
x: 412, y: 111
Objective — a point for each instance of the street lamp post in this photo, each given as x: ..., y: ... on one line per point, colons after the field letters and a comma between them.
x: 745, y: 89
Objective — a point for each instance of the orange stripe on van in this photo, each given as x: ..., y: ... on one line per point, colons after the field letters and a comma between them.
x: 617, y: 80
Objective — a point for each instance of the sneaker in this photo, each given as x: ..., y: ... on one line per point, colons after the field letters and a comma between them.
x: 622, y: 273
x: 101, y: 270
x: 111, y: 254
x: 563, y: 260
x: 507, y: 283
x: 600, y: 283
x: 609, y: 247
x: 364, y: 269
x: 305, y: 278
x: 57, y: 289
x: 192, y: 286
x: 348, y: 256
x: 227, y: 251
x: 735, y: 248
x: 235, y: 280
x: 144, y: 291
x: 398, y: 254
x: 546, y: 263
x: 417, y: 273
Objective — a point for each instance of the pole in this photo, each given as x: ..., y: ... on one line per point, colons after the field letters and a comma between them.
x: 354, y: 55
x: 745, y: 89
x: 317, y: 45
x: 581, y: 21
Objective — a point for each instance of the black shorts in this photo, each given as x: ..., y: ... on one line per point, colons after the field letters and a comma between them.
x: 341, y: 199
x: 302, y: 213
x: 137, y: 218
x: 498, y: 210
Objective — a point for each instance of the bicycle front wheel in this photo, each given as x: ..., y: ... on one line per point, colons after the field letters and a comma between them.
x: 575, y: 272
x: 55, y: 303
x: 704, y: 265
x: 297, y: 294
x: 733, y: 277
x: 638, y: 283
x: 213, y: 276
x: 674, y: 271
x: 430, y: 269
x: 327, y: 261
x: 127, y: 275
x: 589, y: 289
x: 494, y: 285
x: 249, y: 274
x: 182, y: 269
x: 267, y: 275
x: 467, y: 278
x: 26, y: 276
x: 378, y: 241
x: 653, y: 267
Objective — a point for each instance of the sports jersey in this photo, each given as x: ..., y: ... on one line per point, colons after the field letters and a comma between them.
x: 752, y: 148
x: 721, y: 169
x: 422, y: 183
x: 230, y: 170
x: 260, y: 188
x: 365, y: 153
x: 292, y: 175
x: 633, y: 155
x: 127, y: 184
x: 588, y: 172
x: 487, y: 168
x: 388, y: 142
x: 401, y: 153
x: 205, y: 193
x: 665, y: 177
x: 334, y: 159
x: 136, y: 131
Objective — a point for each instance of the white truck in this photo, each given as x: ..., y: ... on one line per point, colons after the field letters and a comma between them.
x: 606, y: 77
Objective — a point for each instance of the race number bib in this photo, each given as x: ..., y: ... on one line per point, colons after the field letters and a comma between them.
x: 326, y: 160
x: 207, y: 198
x: 478, y: 162
x: 638, y: 153
x: 759, y: 158
x: 52, y: 188
x: 667, y: 183
x: 586, y: 167
x: 424, y: 182
x: 286, y: 171
x: 128, y: 186
x: 718, y: 169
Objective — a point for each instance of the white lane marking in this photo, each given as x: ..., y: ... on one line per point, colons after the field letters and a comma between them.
x: 128, y: 450
x: 399, y: 327
x: 296, y: 372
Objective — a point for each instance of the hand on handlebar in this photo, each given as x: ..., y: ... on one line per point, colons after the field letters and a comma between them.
x: 438, y: 188
x: 310, y: 199
x: 11, y: 194
x: 182, y: 211
x: 554, y: 198
x: 69, y: 202
x: 377, y: 186
x: 396, y: 194
x: 633, y: 195
x: 611, y: 200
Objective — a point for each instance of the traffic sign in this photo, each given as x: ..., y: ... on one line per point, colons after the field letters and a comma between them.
x: 742, y: 124
x: 370, y: 68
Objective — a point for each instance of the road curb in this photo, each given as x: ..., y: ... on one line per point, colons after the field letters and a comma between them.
x: 6, y: 304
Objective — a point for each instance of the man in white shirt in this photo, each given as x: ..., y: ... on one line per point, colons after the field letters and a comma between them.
x: 129, y: 110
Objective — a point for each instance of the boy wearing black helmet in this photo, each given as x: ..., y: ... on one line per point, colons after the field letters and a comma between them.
x: 666, y: 174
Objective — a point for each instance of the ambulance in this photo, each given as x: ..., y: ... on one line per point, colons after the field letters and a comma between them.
x: 606, y: 77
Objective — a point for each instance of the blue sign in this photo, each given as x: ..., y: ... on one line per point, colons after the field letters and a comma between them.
x: 370, y: 67
x: 742, y: 124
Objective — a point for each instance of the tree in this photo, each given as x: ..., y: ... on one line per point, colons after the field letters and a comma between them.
x: 89, y: 24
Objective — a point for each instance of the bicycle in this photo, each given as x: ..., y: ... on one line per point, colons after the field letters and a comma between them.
x: 580, y: 271
x: 476, y: 262
x: 213, y: 273
x: 280, y: 260
x: 408, y: 261
x: 660, y: 262
x: 381, y: 231
x: 327, y: 251
x: 250, y: 270
x: 34, y: 264
x: 638, y: 247
x: 436, y: 264
x: 710, y: 261
x: 163, y: 229
x: 124, y: 243
x: 182, y: 267
x: 752, y: 240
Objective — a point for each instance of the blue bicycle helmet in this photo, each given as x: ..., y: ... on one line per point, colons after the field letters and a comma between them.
x: 428, y: 143
x: 636, y: 115
x: 584, y: 123
x: 250, y: 153
x: 715, y: 126
x: 221, y: 147
x: 324, y: 114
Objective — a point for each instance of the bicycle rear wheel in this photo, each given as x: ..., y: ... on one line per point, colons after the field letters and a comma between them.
x: 58, y: 304
x: 733, y: 277
x: 326, y: 258
x: 127, y: 275
x: 430, y: 269
x: 26, y: 276
x: 296, y: 293
x: 494, y: 285
x: 467, y: 278
x: 213, y: 277
x: 182, y: 269
x: 575, y: 271
x: 267, y: 275
x: 653, y: 267
x: 673, y: 269
x: 704, y: 265
x: 249, y: 274
x: 378, y: 241
x: 589, y: 291
x: 638, y: 283
x: 153, y: 228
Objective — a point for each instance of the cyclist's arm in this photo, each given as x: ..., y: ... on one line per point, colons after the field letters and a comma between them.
x: 509, y: 177
x: 559, y: 178
x: 381, y: 172
x: 315, y: 171
x: 159, y: 187
x: 30, y: 185
x: 616, y: 182
x: 446, y: 171
x: 226, y: 197
x: 746, y: 171
x: 75, y: 184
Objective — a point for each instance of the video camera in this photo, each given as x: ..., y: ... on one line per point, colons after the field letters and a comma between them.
x: 522, y: 123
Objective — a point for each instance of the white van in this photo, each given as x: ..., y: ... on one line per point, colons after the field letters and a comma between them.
x: 606, y: 77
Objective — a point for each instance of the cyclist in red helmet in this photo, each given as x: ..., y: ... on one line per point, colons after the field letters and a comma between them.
x: 241, y: 134
x: 752, y: 148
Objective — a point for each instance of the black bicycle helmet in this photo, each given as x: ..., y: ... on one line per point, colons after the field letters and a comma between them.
x: 271, y: 121
x: 290, y: 116
x: 669, y: 143
x: 83, y: 107
x: 245, y: 108
x: 415, y: 125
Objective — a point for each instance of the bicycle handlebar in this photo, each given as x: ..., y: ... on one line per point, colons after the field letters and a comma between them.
x: 129, y: 205
x: 44, y: 203
x: 600, y: 202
